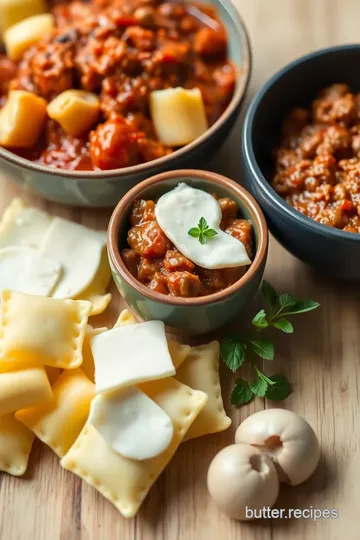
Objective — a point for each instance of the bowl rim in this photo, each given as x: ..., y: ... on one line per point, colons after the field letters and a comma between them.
x: 251, y: 160
x: 165, y: 161
x: 214, y: 178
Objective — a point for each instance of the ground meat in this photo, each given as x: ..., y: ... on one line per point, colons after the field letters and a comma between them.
x: 47, y: 69
x: 242, y: 230
x: 142, y: 211
x: 184, y: 284
x: 148, y: 240
x: 174, y: 261
x: 132, y: 260
x: 326, y: 185
x: 114, y: 144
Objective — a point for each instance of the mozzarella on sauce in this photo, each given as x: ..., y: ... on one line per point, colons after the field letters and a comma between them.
x: 131, y: 423
x: 181, y: 209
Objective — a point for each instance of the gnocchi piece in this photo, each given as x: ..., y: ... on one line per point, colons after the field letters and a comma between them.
x: 75, y: 110
x: 16, y: 129
x: 178, y: 115
x: 13, y: 11
x: 26, y: 33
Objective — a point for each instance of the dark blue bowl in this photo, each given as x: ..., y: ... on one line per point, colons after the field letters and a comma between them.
x: 335, y: 251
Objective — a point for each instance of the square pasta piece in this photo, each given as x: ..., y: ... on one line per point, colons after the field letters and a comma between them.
x: 23, y: 388
x: 123, y: 481
x: 88, y: 365
x: 59, y: 422
x: 15, y: 445
x: 201, y: 371
x: 178, y: 352
x: 41, y: 330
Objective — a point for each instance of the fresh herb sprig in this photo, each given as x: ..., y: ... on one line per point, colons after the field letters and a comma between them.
x: 202, y: 231
x: 236, y: 350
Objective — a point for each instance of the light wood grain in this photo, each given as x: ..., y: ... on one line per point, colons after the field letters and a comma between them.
x: 321, y: 359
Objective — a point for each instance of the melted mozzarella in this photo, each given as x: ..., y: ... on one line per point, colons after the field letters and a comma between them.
x: 132, y: 423
x: 181, y: 209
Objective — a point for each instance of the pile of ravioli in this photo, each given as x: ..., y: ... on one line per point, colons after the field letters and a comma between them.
x: 114, y: 405
x: 50, y: 256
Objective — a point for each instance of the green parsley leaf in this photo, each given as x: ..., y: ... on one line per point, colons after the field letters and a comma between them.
x: 210, y: 233
x: 194, y: 232
x: 260, y: 321
x: 284, y: 325
x: 302, y: 306
x: 269, y: 294
x: 263, y: 348
x: 280, y: 390
x: 202, y: 231
x: 233, y: 353
x: 259, y: 386
x: 241, y: 393
x: 202, y: 224
x: 286, y: 300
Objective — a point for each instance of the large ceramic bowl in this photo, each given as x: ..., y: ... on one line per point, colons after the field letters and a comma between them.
x: 334, y: 251
x: 190, y: 315
x: 105, y: 188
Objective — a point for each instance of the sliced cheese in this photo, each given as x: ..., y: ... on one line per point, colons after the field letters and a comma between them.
x: 180, y: 210
x: 131, y: 354
x: 26, y: 270
x: 178, y: 115
x: 132, y: 423
x: 79, y: 251
x: 22, y: 226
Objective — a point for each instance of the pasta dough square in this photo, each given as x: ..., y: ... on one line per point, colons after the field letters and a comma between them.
x: 126, y: 482
x: 15, y: 445
x: 201, y: 371
x: 42, y: 330
x: 88, y: 365
x: 23, y: 388
x: 178, y: 352
x: 59, y: 422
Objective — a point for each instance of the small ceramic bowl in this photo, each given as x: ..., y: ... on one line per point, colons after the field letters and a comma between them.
x: 333, y: 251
x: 189, y: 315
x: 105, y: 188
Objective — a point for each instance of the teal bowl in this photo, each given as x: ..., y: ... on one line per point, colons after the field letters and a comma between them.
x: 187, y: 315
x: 105, y: 188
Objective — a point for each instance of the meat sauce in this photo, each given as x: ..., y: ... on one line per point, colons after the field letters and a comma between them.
x: 121, y: 50
x: 318, y: 162
x: 153, y: 260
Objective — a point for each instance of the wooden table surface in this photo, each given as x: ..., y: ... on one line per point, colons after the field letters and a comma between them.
x: 321, y: 359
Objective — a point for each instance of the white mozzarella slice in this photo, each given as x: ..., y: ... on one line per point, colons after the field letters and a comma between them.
x: 132, y: 423
x: 28, y: 271
x: 130, y: 355
x: 180, y: 210
x: 24, y: 227
x: 79, y: 250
